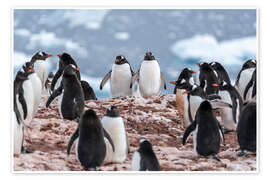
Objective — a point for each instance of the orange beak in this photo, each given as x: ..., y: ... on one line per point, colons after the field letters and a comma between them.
x: 193, y: 72
x: 77, y: 69
x: 198, y: 64
x: 173, y: 82
x: 186, y: 92
x: 116, y: 60
x: 30, y: 70
x: 49, y: 55
x: 215, y: 85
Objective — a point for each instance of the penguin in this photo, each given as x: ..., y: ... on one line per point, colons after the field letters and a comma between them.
x: 71, y: 101
x: 40, y: 65
x: 221, y: 72
x: 206, y: 77
x: 244, y: 76
x: 149, y: 76
x: 49, y: 82
x: 246, y: 128
x: 64, y: 60
x: 114, y: 125
x: 251, y: 85
x: 90, y: 148
x: 230, y: 116
x: 144, y: 159
x: 206, y: 132
x: 89, y: 93
x: 184, y: 82
x: 120, y: 78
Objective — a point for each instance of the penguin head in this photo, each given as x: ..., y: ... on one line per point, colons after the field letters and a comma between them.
x: 216, y: 65
x: 27, y: 68
x: 149, y: 57
x: 66, y: 58
x: 113, y: 112
x: 41, y: 56
x: 120, y: 60
x: 89, y: 118
x: 183, y: 81
x: 196, y: 90
x: 70, y: 70
x: 205, y: 108
x: 251, y: 63
x: 145, y: 146
x: 51, y: 75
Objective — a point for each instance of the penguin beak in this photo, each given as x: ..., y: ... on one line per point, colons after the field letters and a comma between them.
x: 173, y: 82
x: 193, y: 72
x: 77, y: 69
x: 186, y: 92
x: 48, y: 55
x: 116, y: 60
x: 198, y: 64
x: 215, y: 85
x: 30, y: 70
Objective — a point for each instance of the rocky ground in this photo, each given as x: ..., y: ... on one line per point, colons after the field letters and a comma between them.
x: 156, y: 119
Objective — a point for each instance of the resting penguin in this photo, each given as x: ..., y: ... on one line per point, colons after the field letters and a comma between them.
x: 149, y: 76
x: 64, y: 60
x: 49, y: 82
x: 246, y: 128
x: 89, y: 93
x: 184, y: 82
x: 251, y: 85
x: 40, y: 65
x: 144, y: 159
x: 90, y: 148
x: 221, y: 72
x: 207, y: 131
x: 120, y: 78
x: 71, y: 101
x: 114, y: 125
x: 244, y: 77
x: 230, y: 116
x: 206, y: 77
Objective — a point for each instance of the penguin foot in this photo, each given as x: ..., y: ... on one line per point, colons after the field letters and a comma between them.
x: 26, y: 151
x: 16, y: 155
x: 216, y: 158
x: 226, y: 131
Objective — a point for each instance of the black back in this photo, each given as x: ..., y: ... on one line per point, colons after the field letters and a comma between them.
x: 149, y: 160
x: 40, y: 56
x: 88, y: 91
x: 222, y: 73
x: 248, y: 64
x: 247, y: 128
x: 186, y: 74
x: 251, y: 83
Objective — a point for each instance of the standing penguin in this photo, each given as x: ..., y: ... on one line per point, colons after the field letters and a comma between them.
x: 244, y: 77
x: 90, y: 148
x: 120, y: 78
x: 221, y: 72
x: 89, y: 93
x: 206, y: 77
x: 64, y: 60
x: 40, y: 65
x: 144, y: 159
x: 114, y: 125
x: 207, y: 131
x: 185, y: 82
x: 71, y: 102
x: 246, y: 128
x: 48, y: 83
x: 251, y: 85
x: 149, y: 76
x: 230, y: 116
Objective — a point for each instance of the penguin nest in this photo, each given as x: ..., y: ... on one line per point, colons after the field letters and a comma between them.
x: 156, y: 119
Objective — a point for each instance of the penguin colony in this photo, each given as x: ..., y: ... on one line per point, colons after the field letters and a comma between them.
x: 105, y: 141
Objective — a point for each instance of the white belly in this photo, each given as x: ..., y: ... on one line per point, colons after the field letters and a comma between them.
x: 58, y: 82
x: 29, y: 99
x: 198, y: 78
x: 120, y: 80
x: 244, y: 79
x: 60, y: 98
x: 40, y: 68
x: 37, y: 90
x: 18, y: 135
x: 150, y: 82
x: 115, y: 127
x: 195, y: 102
x: 135, y: 163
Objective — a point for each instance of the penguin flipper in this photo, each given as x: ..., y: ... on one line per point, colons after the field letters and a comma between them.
x: 163, y: 80
x: 190, y: 128
x: 221, y: 132
x: 55, y: 78
x: 107, y: 135
x: 217, y: 104
x: 55, y: 93
x: 250, y: 83
x: 23, y: 103
x: 74, y: 136
x: 134, y: 78
x: 105, y: 79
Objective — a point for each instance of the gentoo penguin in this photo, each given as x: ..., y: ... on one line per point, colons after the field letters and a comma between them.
x: 40, y: 65
x: 113, y: 123
x: 71, y: 102
x: 88, y: 91
x: 207, y: 131
x: 246, y: 128
x: 28, y: 95
x: 149, y: 76
x: 244, y: 77
x: 144, y: 159
x: 49, y: 82
x: 64, y: 60
x: 221, y: 72
x: 120, y: 78
x: 206, y: 77
x: 251, y: 85
x: 185, y: 82
x: 230, y: 116
x: 90, y: 148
